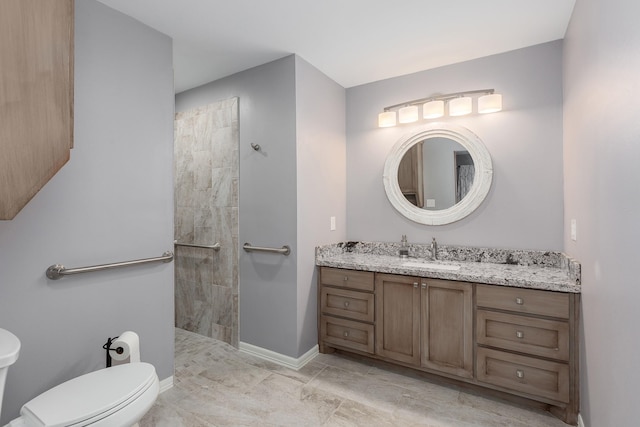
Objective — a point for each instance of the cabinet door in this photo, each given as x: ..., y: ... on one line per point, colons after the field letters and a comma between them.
x: 398, y: 318
x: 447, y: 326
x: 36, y: 96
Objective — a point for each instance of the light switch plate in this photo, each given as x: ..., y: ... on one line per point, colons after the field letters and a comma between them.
x: 332, y: 220
x: 574, y: 230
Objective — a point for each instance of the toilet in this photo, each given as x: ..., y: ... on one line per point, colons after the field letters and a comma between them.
x: 113, y: 397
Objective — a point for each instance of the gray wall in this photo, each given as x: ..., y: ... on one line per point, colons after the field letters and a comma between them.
x: 524, y: 207
x: 267, y: 197
x: 101, y: 207
x: 602, y: 153
x: 288, y: 192
x: 322, y: 189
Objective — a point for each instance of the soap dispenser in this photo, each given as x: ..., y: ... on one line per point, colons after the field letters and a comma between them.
x: 404, y: 249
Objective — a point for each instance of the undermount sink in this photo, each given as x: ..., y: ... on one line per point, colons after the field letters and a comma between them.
x: 431, y: 265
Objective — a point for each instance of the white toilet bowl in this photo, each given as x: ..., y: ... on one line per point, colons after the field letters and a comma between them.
x: 111, y: 397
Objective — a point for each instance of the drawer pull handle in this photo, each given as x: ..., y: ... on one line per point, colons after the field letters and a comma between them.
x: 415, y: 284
x: 346, y: 304
x: 424, y: 286
x: 520, y: 373
x: 345, y: 333
x: 519, y: 334
x: 519, y: 301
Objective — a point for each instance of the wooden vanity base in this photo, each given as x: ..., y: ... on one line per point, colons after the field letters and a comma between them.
x: 515, y: 344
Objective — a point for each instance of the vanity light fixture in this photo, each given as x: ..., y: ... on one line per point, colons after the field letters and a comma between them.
x: 459, y: 104
x: 387, y: 119
x: 408, y: 114
x: 433, y: 109
x: 490, y: 103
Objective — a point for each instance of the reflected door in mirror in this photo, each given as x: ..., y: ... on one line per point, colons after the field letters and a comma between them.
x: 410, y: 176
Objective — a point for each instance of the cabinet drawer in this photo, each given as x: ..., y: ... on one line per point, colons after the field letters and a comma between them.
x: 524, y: 374
x: 361, y: 280
x: 540, y: 337
x: 530, y: 301
x: 351, y: 304
x: 347, y: 333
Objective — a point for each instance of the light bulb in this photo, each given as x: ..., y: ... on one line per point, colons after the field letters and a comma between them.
x: 460, y: 106
x: 387, y: 119
x: 408, y: 114
x: 433, y: 109
x: 490, y: 103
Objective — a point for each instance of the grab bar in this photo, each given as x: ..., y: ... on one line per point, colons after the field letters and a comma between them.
x: 215, y: 246
x: 56, y: 271
x: 285, y: 250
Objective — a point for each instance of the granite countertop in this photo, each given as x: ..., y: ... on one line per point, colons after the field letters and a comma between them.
x: 544, y: 270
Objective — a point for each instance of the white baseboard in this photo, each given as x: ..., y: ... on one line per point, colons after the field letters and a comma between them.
x: 580, y: 422
x: 166, y: 384
x: 280, y: 359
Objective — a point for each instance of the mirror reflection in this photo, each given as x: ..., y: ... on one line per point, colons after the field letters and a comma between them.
x: 436, y: 173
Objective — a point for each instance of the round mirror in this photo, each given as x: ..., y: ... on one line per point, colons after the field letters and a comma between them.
x: 438, y: 175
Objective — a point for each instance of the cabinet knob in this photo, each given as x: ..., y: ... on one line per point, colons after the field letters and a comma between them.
x: 520, y: 373
x: 346, y: 303
x: 424, y: 286
x: 519, y: 301
x: 345, y: 333
x: 519, y: 334
x: 415, y: 284
x: 346, y: 278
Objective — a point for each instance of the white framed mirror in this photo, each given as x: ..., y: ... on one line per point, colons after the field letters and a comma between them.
x: 438, y: 174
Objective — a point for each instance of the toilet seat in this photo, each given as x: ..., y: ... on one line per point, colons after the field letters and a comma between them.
x: 93, y: 397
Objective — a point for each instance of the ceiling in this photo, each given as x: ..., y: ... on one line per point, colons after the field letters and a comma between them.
x: 352, y: 41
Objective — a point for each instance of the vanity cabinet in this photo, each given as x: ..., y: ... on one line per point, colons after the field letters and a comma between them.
x: 447, y: 327
x: 425, y: 322
x: 398, y: 318
x: 519, y: 342
x: 346, y: 309
x: 36, y: 97
x: 526, y: 341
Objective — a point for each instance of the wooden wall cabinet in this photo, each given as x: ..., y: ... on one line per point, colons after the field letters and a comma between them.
x: 36, y: 96
x: 522, y: 343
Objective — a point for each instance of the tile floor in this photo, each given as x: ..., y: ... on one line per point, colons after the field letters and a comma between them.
x: 216, y: 385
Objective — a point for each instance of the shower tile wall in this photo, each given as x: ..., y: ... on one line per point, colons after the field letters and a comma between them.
x: 206, y: 212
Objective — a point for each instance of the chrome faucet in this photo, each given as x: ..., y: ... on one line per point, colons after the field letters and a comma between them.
x: 434, y: 249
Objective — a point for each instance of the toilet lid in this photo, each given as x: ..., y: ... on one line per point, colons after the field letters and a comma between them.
x: 89, y: 395
x: 9, y: 348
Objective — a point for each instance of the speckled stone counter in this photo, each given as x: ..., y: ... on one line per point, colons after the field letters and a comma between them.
x: 552, y: 271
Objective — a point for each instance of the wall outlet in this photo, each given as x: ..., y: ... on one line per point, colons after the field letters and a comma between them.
x: 431, y: 203
x: 332, y: 221
x: 574, y: 230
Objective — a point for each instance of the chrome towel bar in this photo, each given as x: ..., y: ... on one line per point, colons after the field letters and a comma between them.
x: 215, y: 246
x: 56, y: 271
x: 285, y: 250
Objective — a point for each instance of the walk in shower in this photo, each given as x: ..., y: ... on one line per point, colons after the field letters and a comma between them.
x: 206, y: 170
